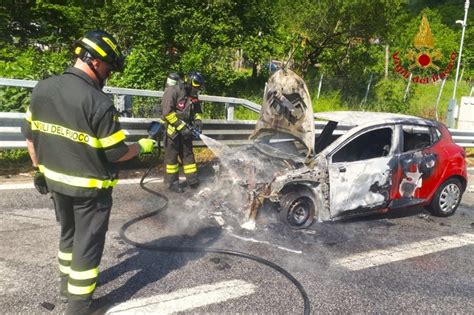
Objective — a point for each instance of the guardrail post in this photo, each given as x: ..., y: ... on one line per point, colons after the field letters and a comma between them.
x: 229, y: 111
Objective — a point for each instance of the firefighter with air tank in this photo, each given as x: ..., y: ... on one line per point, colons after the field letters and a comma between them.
x: 182, y: 113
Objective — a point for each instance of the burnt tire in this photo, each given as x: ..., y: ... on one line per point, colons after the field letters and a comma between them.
x: 447, y: 198
x: 297, y: 209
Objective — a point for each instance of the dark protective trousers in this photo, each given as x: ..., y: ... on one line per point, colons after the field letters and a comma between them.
x: 184, y: 149
x: 84, y: 223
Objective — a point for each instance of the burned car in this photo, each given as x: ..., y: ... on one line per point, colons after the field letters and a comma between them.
x: 360, y: 163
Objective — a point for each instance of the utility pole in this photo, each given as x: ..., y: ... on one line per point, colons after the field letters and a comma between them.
x: 452, y: 107
x: 364, y: 100
x: 439, y: 97
x: 407, y: 89
x: 320, y: 84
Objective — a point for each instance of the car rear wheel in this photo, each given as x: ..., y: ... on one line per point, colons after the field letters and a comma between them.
x: 447, y: 198
x: 297, y: 209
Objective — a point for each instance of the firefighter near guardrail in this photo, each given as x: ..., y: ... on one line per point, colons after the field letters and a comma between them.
x: 182, y: 113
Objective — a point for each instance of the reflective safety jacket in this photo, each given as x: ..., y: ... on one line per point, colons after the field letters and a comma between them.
x: 76, y: 134
x: 179, y: 109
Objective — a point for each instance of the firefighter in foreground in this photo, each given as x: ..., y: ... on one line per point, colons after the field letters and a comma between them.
x: 181, y: 110
x: 74, y: 137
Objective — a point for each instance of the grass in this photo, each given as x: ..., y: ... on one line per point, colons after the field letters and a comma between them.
x: 203, y: 155
x: 18, y: 161
x: 15, y: 162
x: 424, y: 99
x: 242, y: 113
x: 328, y: 102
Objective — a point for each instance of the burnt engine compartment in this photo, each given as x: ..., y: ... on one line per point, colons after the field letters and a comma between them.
x: 284, y: 138
x: 252, y: 168
x: 255, y: 167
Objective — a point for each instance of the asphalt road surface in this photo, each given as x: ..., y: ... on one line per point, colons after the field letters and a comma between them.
x: 402, y: 262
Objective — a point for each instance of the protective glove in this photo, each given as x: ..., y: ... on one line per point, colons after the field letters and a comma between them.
x: 186, y: 133
x: 40, y: 183
x: 198, y: 125
x: 146, y: 145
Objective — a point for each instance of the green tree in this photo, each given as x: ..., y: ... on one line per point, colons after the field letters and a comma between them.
x: 344, y: 39
x: 330, y: 33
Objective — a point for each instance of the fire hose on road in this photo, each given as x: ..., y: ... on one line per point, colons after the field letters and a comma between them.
x: 177, y: 249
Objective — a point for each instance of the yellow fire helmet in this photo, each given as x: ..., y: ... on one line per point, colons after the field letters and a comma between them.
x: 103, y: 46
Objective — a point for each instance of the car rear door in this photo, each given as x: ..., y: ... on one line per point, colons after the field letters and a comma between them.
x: 360, y: 171
x: 417, y: 173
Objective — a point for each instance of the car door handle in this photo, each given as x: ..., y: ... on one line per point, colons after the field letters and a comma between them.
x: 342, y: 169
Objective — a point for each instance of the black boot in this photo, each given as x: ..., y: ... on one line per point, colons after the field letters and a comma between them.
x: 88, y: 307
x: 194, y: 184
x: 175, y: 187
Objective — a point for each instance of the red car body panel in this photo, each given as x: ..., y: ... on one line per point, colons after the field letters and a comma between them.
x: 450, y: 162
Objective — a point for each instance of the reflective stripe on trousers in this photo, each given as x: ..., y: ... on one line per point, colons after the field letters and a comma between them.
x: 84, y: 224
x: 64, y: 260
x: 190, y: 168
x: 83, y: 282
x: 172, y: 168
x: 183, y: 149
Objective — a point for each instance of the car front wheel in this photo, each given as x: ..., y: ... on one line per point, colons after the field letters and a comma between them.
x: 297, y: 209
x: 447, y: 198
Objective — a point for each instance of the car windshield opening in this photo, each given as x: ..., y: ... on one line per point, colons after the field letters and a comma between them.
x: 327, y: 136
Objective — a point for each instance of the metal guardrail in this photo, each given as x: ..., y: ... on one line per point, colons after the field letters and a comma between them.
x: 229, y: 132
x: 229, y: 102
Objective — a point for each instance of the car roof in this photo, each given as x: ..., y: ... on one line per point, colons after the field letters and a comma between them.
x: 357, y: 118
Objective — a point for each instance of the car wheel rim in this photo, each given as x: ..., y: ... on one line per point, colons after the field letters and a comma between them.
x: 449, y: 197
x: 299, y: 211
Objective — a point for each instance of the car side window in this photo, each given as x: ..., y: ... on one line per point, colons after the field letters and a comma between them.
x: 435, y: 134
x: 372, y: 144
x: 416, y: 137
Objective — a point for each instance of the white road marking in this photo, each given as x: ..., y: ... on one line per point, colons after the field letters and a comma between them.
x: 121, y: 182
x: 186, y: 299
x: 385, y: 256
x: 17, y: 186
x: 265, y: 242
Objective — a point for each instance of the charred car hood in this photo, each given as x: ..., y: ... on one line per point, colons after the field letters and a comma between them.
x: 278, y: 152
x: 286, y: 110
